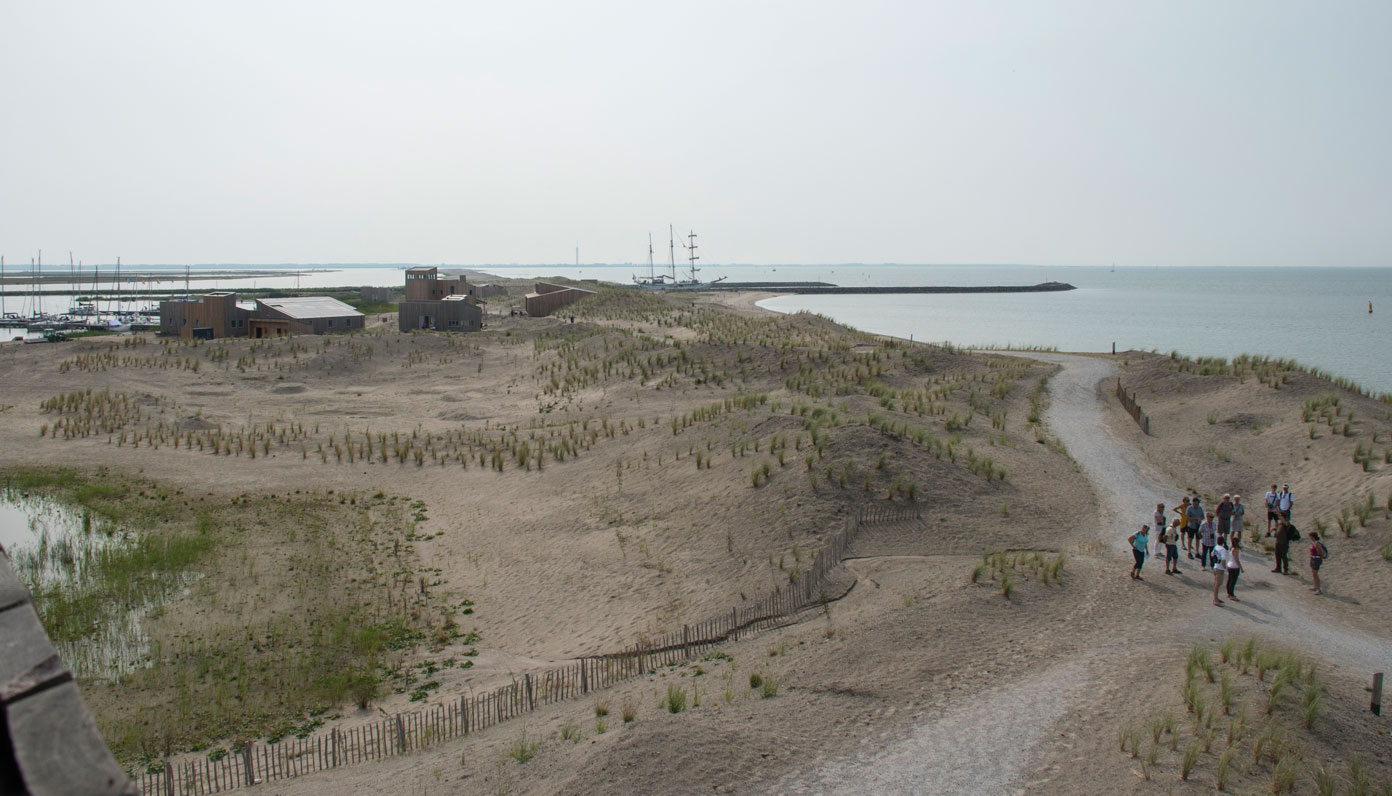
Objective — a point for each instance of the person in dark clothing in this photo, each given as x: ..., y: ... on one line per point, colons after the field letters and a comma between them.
x: 1283, y: 542
x: 1224, y: 512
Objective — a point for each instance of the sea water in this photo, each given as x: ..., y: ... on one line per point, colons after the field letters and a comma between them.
x: 1317, y: 316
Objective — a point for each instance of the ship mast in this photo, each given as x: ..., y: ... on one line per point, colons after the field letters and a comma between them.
x: 691, y: 255
x: 672, y: 252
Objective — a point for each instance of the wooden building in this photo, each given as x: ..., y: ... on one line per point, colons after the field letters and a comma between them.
x: 423, y: 283
x: 452, y: 314
x: 548, y: 298
x: 220, y: 314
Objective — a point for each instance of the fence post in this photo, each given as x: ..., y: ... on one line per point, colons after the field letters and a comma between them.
x: 248, y: 767
x: 168, y: 778
x: 400, y: 734
x: 1376, y: 705
x: 584, y: 678
x: 531, y: 700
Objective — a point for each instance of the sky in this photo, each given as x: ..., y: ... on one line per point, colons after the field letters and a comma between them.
x: 1188, y: 133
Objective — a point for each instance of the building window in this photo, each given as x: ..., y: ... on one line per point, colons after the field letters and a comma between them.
x: 331, y: 321
x: 453, y: 322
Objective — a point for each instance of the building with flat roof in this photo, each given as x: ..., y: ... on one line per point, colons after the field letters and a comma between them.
x: 215, y: 315
x: 423, y: 283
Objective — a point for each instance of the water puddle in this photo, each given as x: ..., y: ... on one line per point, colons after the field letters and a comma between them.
x: 70, y: 560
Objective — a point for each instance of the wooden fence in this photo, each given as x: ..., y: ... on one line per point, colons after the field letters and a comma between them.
x: 1129, y: 403
x: 404, y: 732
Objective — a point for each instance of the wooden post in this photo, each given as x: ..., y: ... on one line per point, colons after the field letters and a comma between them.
x: 168, y: 778
x: 400, y: 734
x: 531, y: 699
x: 1376, y: 705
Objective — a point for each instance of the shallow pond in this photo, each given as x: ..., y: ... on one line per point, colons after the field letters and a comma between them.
x: 67, y: 557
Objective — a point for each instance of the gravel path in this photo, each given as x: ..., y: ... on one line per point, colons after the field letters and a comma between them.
x: 985, y: 744
x: 981, y: 746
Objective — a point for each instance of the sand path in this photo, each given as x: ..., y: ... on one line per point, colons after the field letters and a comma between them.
x: 970, y: 748
x: 1129, y: 486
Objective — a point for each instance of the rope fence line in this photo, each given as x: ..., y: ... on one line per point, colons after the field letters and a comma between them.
x: 1128, y: 402
x: 404, y: 732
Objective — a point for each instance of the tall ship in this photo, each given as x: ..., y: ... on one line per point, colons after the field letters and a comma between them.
x: 669, y: 281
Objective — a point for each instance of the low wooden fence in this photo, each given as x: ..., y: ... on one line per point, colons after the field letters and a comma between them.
x: 404, y: 732
x: 1129, y: 403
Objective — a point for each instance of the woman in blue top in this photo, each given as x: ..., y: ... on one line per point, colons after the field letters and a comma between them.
x: 1140, y: 542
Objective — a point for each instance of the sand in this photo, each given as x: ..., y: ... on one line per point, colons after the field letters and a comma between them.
x: 918, y: 680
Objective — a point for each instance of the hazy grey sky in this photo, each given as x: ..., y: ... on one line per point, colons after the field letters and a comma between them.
x: 1174, y: 133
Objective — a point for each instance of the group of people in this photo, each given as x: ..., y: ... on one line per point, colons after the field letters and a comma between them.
x: 1214, y: 538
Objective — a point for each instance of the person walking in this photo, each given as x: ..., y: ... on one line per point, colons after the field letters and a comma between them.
x: 1140, y: 543
x: 1183, y: 511
x: 1195, y: 515
x: 1234, y: 566
x: 1170, y: 538
x: 1208, y: 536
x: 1318, y: 553
x: 1239, y: 512
x: 1272, y: 515
x: 1285, y: 533
x: 1224, y: 511
x: 1219, y: 558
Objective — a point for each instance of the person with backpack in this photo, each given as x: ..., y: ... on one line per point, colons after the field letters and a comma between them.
x: 1170, y: 538
x: 1285, y: 534
x: 1225, y: 510
x: 1318, y: 555
x: 1140, y: 544
x: 1218, y: 557
x: 1284, y: 502
x: 1234, y: 566
x: 1239, y: 512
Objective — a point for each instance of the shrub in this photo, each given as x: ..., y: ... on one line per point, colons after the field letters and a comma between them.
x: 523, y: 750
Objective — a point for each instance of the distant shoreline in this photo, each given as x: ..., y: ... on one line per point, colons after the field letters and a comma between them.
x: 804, y: 288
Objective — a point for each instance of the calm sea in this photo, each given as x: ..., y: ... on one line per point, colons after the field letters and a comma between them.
x: 1318, y: 316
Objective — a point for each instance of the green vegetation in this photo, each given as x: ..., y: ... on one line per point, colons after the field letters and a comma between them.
x: 287, y: 611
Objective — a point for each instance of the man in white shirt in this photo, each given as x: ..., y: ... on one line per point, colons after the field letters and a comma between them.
x: 1284, y: 501
x: 1273, y: 498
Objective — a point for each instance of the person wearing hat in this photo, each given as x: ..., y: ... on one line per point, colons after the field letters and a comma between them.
x: 1284, y: 501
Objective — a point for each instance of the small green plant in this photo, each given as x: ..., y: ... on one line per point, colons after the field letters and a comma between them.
x: 769, y: 689
x: 628, y: 710
x: 675, y: 701
x: 1224, y: 768
x: 755, y: 680
x: 1131, y: 740
x: 1189, y: 760
x: 570, y: 731
x: 1283, y: 777
x: 522, y: 750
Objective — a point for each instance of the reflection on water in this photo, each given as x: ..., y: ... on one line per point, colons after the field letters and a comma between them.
x: 66, y: 558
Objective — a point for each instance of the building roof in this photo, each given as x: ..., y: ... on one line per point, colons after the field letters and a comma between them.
x: 310, y: 307
x: 422, y: 269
